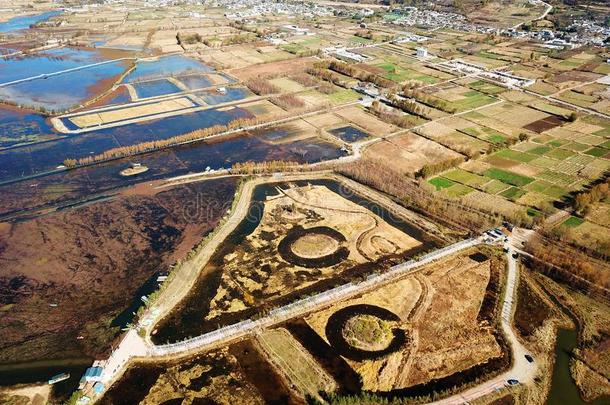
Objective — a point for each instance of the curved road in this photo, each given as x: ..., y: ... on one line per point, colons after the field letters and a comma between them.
x: 521, y: 370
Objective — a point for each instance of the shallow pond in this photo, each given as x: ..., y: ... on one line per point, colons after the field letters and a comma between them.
x: 349, y: 133
x: 155, y: 88
x: 193, y: 82
x: 85, y: 183
x: 20, y: 127
x: 41, y: 371
x: 50, y: 61
x: 34, y: 159
x: 167, y: 66
x: 61, y: 92
x: 563, y: 388
x: 230, y: 94
x: 24, y: 22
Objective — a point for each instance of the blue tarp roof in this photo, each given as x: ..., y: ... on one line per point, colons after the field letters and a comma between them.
x: 98, y: 387
x: 93, y: 372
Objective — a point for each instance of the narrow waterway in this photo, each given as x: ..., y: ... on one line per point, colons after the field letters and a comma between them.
x: 187, y: 319
x: 563, y: 387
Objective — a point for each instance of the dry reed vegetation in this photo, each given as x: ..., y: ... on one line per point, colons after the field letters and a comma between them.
x: 262, y: 87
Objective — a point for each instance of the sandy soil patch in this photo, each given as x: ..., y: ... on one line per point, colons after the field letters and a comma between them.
x: 286, y: 67
x: 438, y: 308
x: 121, y: 114
x: 409, y: 152
x: 369, y: 122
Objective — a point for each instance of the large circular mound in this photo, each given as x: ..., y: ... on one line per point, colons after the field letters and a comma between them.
x: 364, y: 332
x: 316, y: 247
x: 367, y: 332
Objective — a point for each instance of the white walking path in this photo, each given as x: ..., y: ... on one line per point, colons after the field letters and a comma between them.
x: 74, y: 69
x: 133, y: 345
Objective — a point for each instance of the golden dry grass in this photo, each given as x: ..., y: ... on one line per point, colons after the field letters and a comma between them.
x: 120, y: 114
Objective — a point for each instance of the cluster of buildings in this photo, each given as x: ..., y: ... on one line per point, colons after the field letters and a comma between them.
x: 588, y: 32
x: 238, y: 9
x: 500, y: 77
x: 437, y: 19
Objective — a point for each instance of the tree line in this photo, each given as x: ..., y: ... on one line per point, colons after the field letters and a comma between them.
x: 392, y: 116
x: 142, y: 147
x: 410, y: 92
x: 360, y: 74
x: 431, y: 169
x: 261, y: 86
x: 583, y: 200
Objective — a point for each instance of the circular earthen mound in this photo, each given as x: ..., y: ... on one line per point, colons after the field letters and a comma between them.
x: 316, y: 247
x: 346, y: 332
x: 368, y: 332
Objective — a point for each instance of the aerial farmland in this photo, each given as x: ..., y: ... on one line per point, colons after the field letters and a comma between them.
x: 254, y: 202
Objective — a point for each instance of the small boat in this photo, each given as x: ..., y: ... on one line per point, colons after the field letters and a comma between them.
x: 59, y: 377
x: 135, y: 168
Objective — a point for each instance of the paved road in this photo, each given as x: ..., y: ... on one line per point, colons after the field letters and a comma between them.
x: 547, y: 10
x: 132, y: 345
x: 306, y: 305
x: 521, y: 370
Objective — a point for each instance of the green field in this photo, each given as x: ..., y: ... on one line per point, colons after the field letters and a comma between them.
x: 472, y: 99
x: 515, y: 155
x: 343, y: 96
x: 494, y: 187
x: 512, y: 193
x: 399, y: 74
x: 597, y: 152
x: 486, y: 88
x: 508, y: 177
x: 441, y: 183
x: 560, y: 154
x: 458, y: 190
x: 572, y: 222
x: 462, y: 176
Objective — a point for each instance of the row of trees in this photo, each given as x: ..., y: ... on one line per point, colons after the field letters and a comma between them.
x: 360, y: 74
x: 417, y: 94
x: 272, y: 166
x: 417, y: 196
x: 574, y: 264
x: 431, y: 169
x: 129, y: 150
x: 305, y: 79
x: 287, y: 101
x: 328, y: 76
x: 261, y: 86
x: 390, y: 116
x: 583, y: 200
x: 231, y: 40
x: 409, y: 106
